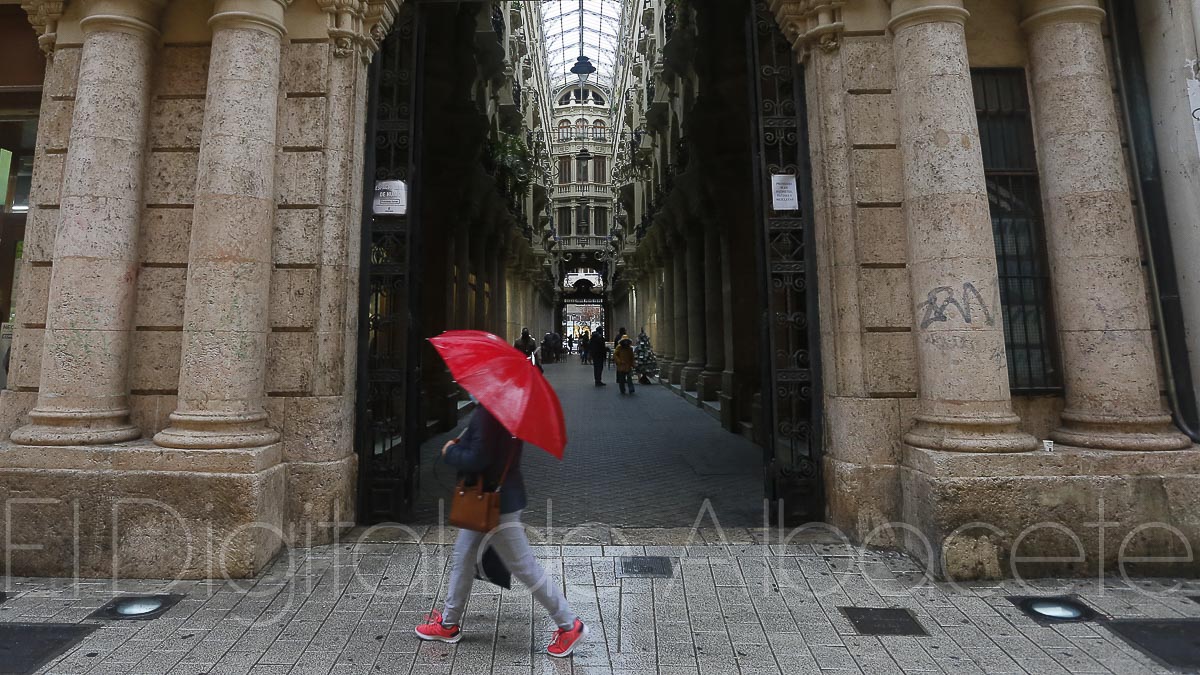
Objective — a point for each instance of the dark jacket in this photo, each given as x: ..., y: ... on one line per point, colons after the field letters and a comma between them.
x: 597, y: 349
x: 485, y: 447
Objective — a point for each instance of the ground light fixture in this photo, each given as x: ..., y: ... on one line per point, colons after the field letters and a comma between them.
x: 136, y: 607
x: 1055, y: 609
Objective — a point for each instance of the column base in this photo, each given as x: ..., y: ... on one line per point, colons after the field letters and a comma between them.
x: 213, y: 513
x: 84, y: 427
x: 1035, y: 514
x: 1104, y: 432
x: 216, y: 431
x: 689, y: 377
x: 978, y: 433
x: 728, y: 413
x: 676, y: 374
x: 709, y: 388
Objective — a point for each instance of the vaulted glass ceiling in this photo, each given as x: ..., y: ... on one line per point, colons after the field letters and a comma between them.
x: 598, y: 39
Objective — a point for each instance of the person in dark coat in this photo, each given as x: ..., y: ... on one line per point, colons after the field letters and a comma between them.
x: 598, y: 353
x: 486, y: 451
x: 584, y: 346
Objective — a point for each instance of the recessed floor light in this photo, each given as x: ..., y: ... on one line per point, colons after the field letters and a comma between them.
x: 1055, y: 609
x: 136, y: 607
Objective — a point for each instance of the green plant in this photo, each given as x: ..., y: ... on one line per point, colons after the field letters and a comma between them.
x: 510, y: 157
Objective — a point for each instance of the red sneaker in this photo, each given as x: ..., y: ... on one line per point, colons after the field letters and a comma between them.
x: 433, y: 629
x: 565, y: 641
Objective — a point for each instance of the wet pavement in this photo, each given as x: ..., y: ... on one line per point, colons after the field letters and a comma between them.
x: 647, y: 460
x: 735, y: 603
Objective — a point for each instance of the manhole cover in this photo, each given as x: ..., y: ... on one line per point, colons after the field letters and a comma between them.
x: 136, y: 607
x: 1175, y: 643
x: 644, y: 566
x: 883, y: 621
x: 25, y: 647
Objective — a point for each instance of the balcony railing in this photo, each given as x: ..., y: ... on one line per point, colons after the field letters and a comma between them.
x: 581, y: 242
x: 576, y: 189
x: 568, y: 134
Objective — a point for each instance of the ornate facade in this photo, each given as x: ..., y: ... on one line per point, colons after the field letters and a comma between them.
x: 962, y: 277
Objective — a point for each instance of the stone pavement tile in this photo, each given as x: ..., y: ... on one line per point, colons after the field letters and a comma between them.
x: 834, y: 658
x: 158, y: 662
x: 270, y: 670
x: 870, y: 656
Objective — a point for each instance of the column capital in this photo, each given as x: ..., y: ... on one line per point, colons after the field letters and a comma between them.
x: 137, y: 17
x: 810, y: 23
x: 261, y: 15
x: 1037, y: 13
x: 911, y: 12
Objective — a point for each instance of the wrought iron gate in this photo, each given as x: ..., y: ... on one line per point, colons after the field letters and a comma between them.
x: 387, y: 426
x: 791, y: 384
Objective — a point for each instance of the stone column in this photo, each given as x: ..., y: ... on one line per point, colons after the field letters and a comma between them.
x: 83, y: 395
x: 1112, y: 387
x: 679, y: 306
x: 479, y: 265
x: 660, y: 290
x: 963, y: 372
x: 462, y: 266
x: 225, y: 325
x: 666, y: 316
x: 714, y: 325
x: 697, y: 353
x: 500, y: 290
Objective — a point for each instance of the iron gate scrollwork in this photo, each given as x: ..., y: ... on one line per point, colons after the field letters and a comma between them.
x: 792, y: 399
x: 386, y: 429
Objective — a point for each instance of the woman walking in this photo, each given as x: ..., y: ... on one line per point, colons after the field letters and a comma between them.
x: 515, y: 403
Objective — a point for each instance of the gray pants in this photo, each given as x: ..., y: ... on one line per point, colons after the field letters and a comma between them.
x: 511, y: 544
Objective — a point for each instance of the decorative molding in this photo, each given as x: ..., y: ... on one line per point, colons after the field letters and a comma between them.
x: 44, y: 16
x: 359, y: 26
x: 810, y: 23
x: 911, y: 12
x: 1041, y: 12
x: 262, y: 15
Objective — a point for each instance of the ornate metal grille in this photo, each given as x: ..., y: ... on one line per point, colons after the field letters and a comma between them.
x: 791, y: 392
x: 386, y: 435
x: 1010, y: 165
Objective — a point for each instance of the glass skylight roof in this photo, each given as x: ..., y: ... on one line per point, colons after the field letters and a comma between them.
x: 598, y: 39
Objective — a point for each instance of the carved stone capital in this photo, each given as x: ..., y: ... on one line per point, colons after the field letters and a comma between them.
x: 911, y: 12
x: 138, y: 17
x: 810, y: 23
x: 359, y: 26
x: 1037, y: 13
x: 44, y: 16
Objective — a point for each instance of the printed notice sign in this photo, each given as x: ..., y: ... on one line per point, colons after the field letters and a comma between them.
x: 391, y: 198
x: 783, y: 192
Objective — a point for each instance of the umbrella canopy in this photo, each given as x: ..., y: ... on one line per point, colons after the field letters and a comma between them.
x: 506, y: 383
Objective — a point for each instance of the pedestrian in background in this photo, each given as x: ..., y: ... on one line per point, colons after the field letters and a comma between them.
x: 584, y: 345
x: 623, y: 357
x: 598, y: 353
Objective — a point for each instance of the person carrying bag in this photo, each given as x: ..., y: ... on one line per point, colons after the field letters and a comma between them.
x: 487, y: 504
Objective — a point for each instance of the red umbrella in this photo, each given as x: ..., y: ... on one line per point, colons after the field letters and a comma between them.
x: 507, y: 384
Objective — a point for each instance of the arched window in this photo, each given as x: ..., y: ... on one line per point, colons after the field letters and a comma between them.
x: 564, y: 130
x: 598, y: 130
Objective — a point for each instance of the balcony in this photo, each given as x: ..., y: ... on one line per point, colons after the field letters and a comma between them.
x: 583, y: 243
x: 583, y: 190
x: 581, y: 135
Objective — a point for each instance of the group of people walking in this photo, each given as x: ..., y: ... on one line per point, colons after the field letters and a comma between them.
x: 633, y: 362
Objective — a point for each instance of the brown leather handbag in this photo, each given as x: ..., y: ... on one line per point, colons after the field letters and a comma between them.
x: 473, y: 507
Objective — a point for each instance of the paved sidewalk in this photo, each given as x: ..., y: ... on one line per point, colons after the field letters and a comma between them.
x: 735, y: 604
x: 647, y: 460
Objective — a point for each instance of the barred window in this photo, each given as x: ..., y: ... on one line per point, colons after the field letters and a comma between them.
x: 1014, y: 195
x: 582, y: 227
x: 600, y: 167
x: 601, y: 221
x: 582, y: 170
x: 564, y: 170
x: 564, y: 221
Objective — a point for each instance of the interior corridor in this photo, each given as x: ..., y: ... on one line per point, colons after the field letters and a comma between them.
x: 647, y: 460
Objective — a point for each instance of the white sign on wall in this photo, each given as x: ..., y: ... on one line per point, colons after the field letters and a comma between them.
x: 391, y: 198
x: 784, y: 196
x: 1194, y: 99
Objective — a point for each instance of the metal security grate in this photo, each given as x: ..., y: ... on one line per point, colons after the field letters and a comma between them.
x: 1014, y: 195
x: 1175, y: 643
x: 883, y: 621
x: 643, y: 566
x: 26, y: 647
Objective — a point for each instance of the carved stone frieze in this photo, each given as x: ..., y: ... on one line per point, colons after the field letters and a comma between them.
x: 359, y: 26
x: 44, y: 16
x: 810, y: 23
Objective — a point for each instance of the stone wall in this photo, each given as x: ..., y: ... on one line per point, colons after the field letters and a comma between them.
x: 287, y: 352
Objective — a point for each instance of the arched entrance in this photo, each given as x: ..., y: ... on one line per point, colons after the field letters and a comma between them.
x: 714, y: 215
